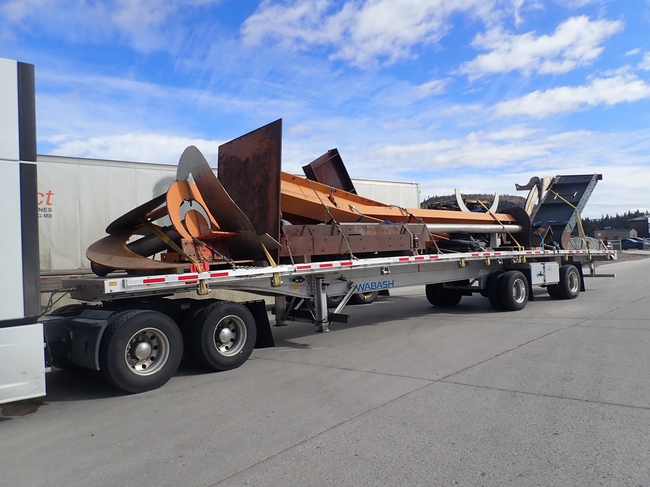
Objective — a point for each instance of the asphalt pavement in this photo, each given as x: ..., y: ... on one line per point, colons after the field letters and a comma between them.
x: 557, y: 394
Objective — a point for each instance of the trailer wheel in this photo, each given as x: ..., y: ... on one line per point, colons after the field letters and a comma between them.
x: 333, y: 301
x: 494, y: 290
x: 140, y: 350
x: 186, y: 330
x: 223, y: 335
x: 554, y: 291
x: 569, y: 286
x: 514, y: 291
x: 364, y: 298
x: 441, y: 297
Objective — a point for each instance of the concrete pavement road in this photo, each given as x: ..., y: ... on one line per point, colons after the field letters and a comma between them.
x: 556, y: 394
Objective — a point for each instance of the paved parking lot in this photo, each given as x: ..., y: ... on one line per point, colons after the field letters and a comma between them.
x: 556, y: 394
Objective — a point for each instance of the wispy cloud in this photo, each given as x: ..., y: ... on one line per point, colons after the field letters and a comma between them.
x: 576, y: 42
x: 364, y: 32
x: 431, y: 88
x: 145, y: 25
x: 601, y: 91
x: 645, y: 63
x: 140, y: 147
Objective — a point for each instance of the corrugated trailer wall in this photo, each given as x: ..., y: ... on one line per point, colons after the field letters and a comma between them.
x: 78, y: 198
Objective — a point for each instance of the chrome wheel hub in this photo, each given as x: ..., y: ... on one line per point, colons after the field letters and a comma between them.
x: 147, y: 351
x: 230, y: 335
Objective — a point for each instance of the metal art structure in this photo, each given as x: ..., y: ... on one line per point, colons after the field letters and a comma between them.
x: 555, y: 205
x: 234, y: 217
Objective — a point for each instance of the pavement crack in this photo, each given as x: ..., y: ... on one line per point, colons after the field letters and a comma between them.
x: 551, y: 396
x: 349, y: 369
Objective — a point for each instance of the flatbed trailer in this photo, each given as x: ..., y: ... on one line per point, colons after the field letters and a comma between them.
x: 136, y: 329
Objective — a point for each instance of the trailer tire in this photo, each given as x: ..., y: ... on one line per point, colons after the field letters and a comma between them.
x: 441, y: 297
x: 554, y: 291
x: 514, y: 291
x: 187, y: 326
x: 333, y: 301
x: 140, y: 350
x: 494, y: 290
x: 364, y: 298
x: 569, y: 286
x: 223, y: 335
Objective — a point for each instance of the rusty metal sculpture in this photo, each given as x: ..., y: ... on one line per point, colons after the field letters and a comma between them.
x: 235, y: 217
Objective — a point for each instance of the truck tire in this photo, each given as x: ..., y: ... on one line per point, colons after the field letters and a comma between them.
x: 514, y: 291
x: 494, y: 290
x: 223, y: 335
x: 364, y: 298
x: 140, y: 350
x: 441, y: 297
x: 569, y: 286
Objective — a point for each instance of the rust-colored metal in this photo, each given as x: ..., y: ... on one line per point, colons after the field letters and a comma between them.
x: 318, y: 240
x: 309, y: 199
x: 240, y: 211
x: 225, y: 211
x: 111, y: 253
x: 137, y: 216
x: 329, y: 169
x: 249, y: 168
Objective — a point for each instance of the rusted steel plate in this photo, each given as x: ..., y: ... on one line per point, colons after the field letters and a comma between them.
x: 362, y: 238
x: 136, y: 216
x: 225, y: 211
x: 329, y: 169
x: 112, y: 253
x: 249, y: 168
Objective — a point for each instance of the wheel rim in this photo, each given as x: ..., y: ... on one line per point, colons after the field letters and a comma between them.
x: 147, y: 351
x: 230, y: 335
x: 519, y: 291
x: 573, y: 282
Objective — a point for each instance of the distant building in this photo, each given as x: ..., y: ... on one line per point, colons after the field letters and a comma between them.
x: 640, y: 224
x: 615, y: 233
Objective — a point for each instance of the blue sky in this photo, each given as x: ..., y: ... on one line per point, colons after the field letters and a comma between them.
x: 474, y: 94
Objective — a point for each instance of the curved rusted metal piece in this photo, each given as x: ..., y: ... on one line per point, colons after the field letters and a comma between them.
x: 179, y: 192
x: 112, y: 253
x: 225, y: 211
x: 137, y: 216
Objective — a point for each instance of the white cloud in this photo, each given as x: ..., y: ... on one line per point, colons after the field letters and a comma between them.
x: 517, y: 4
x: 633, y: 52
x: 146, y: 25
x: 139, y: 147
x: 431, y: 88
x: 576, y: 42
x: 601, y: 91
x: 645, y: 63
x: 361, y: 32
